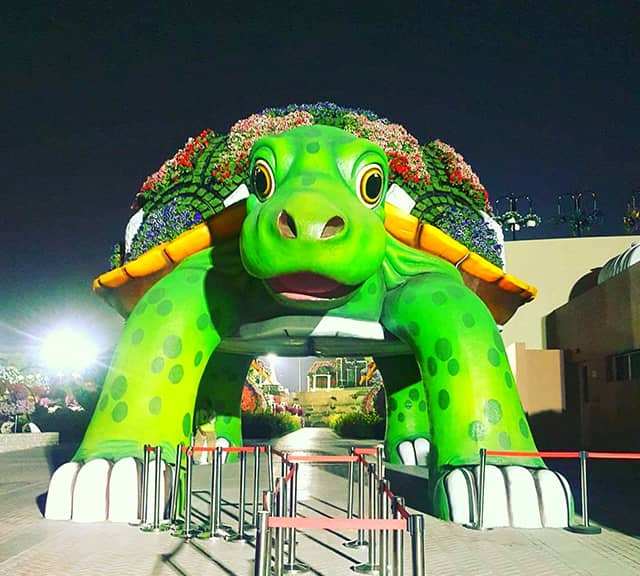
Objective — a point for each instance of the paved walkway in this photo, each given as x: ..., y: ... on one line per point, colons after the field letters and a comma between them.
x: 31, y: 545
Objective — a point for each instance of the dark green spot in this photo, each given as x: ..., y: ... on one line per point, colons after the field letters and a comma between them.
x: 172, y: 346
x: 453, y: 367
x: 493, y: 411
x: 203, y: 321
x: 400, y: 417
x: 308, y: 179
x: 477, y: 430
x: 524, y: 428
x: 443, y: 399
x: 313, y: 147
x: 408, y: 404
x: 156, y: 295
x: 140, y: 308
x: 137, y: 336
x: 443, y: 349
x: 186, y: 425
x: 422, y: 406
x: 164, y: 308
x: 508, y: 379
x: 118, y: 387
x: 414, y: 329
x: 393, y: 404
x: 103, y: 403
x: 432, y: 365
x: 119, y: 412
x: 468, y: 320
x: 456, y: 292
x: 504, y: 440
x: 176, y: 373
x: 494, y: 357
x: 498, y: 340
x: 198, y: 358
x: 157, y: 365
x: 227, y: 419
x: 439, y: 298
x: 155, y: 405
x: 414, y: 394
x: 408, y: 295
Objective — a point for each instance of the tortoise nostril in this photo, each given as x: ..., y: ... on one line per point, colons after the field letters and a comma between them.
x: 332, y: 228
x: 286, y: 225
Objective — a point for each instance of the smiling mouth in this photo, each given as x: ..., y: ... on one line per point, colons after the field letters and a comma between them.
x: 308, y: 286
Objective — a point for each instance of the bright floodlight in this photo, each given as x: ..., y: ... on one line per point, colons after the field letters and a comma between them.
x: 68, y: 350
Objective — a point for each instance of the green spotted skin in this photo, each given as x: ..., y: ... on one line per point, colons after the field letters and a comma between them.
x: 468, y: 385
x: 149, y: 393
x: 317, y: 221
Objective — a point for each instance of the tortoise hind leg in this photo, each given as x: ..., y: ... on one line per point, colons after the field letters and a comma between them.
x: 220, y: 395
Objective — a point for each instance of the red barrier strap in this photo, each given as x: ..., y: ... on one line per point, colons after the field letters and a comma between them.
x: 533, y: 454
x: 277, y: 452
x: 370, y: 451
x: 319, y: 458
x: 239, y: 449
x: 290, y: 475
x: 335, y: 523
x: 615, y: 455
x: 150, y: 448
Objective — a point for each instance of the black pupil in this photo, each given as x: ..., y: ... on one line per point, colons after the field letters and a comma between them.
x: 260, y: 180
x: 373, y: 186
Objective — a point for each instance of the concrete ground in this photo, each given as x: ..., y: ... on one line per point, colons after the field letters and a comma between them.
x: 31, y: 545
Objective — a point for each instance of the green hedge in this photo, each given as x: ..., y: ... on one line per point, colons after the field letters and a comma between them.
x: 358, y: 425
x: 265, y: 425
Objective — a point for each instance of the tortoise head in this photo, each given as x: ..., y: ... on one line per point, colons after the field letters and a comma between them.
x: 314, y: 230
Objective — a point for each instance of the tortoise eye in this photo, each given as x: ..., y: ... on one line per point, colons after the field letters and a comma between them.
x: 262, y: 180
x: 370, y: 184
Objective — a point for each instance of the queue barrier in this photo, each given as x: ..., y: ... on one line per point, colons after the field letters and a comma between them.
x: 582, y: 455
x: 278, y: 522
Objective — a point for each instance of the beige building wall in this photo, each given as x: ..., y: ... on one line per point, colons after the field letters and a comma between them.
x: 539, y: 375
x: 554, y: 266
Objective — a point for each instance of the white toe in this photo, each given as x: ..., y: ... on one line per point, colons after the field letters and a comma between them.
x: 60, y: 495
x: 554, y: 495
x: 91, y: 492
x: 124, y: 491
x: 496, y: 508
x: 523, y: 497
x: 422, y: 448
x: 407, y: 453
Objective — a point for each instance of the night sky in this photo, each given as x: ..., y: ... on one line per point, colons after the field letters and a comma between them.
x: 542, y: 98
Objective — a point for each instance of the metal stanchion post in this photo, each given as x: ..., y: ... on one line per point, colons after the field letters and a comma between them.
x: 350, y: 486
x: 370, y: 567
x: 263, y: 555
x: 479, y: 523
x: 175, y: 485
x: 398, y: 539
x: 219, y: 529
x: 144, y: 488
x: 186, y: 532
x: 241, y: 536
x: 584, y: 528
x: 156, y: 526
x: 293, y: 567
x: 416, y: 528
x: 360, y: 541
x: 380, y: 460
x: 256, y: 485
x: 281, y: 510
x: 209, y: 532
x: 270, y: 468
x: 384, y: 534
